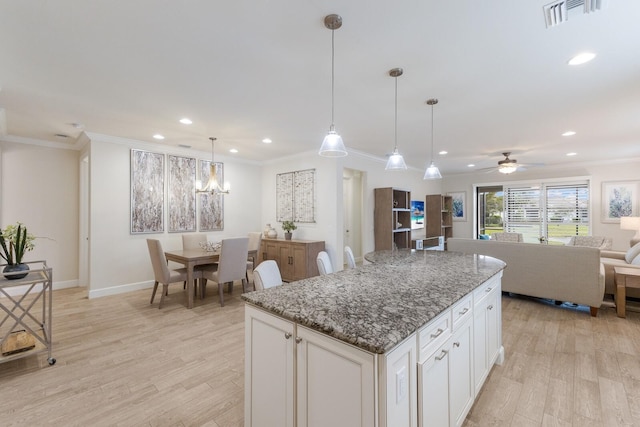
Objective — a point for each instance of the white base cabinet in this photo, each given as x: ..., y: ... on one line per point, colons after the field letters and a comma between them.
x: 297, y: 377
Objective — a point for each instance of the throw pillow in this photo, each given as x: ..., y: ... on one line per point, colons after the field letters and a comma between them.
x: 636, y: 261
x: 632, y: 253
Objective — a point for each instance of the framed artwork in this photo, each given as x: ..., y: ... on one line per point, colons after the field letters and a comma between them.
x: 147, y: 192
x: 295, y: 196
x: 211, y: 212
x: 619, y: 198
x: 182, y: 194
x: 417, y: 214
x: 458, y: 205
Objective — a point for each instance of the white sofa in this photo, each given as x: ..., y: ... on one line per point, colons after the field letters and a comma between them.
x: 562, y: 273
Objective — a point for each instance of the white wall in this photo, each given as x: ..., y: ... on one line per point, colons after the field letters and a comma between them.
x: 39, y: 187
x: 619, y: 171
x: 119, y: 261
x: 329, y: 200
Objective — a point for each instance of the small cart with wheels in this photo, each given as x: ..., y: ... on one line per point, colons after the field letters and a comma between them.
x: 25, y: 312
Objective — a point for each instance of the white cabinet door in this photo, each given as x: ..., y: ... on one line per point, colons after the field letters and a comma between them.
x: 487, y: 340
x: 269, y: 370
x: 433, y: 380
x: 400, y: 384
x: 461, y: 387
x: 335, y: 382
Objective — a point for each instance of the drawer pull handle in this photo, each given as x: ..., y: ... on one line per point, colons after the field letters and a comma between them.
x: 298, y: 340
x: 437, y: 334
x: 456, y: 344
x: 488, y: 289
x: 490, y: 307
x: 464, y: 311
x: 442, y: 355
x: 287, y: 335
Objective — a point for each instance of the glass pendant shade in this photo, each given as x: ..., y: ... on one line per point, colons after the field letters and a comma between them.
x: 332, y: 146
x: 395, y: 162
x: 432, y: 172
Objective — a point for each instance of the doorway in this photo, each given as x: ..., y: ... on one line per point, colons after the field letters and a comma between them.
x: 352, y: 193
x: 490, y: 214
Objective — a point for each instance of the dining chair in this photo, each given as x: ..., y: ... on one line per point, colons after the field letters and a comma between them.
x: 267, y: 275
x: 231, y: 266
x: 324, y: 263
x: 255, y: 239
x: 162, y: 273
x: 192, y: 241
x: 351, y: 261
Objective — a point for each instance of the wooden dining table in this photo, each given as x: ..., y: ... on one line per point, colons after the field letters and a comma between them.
x: 192, y: 257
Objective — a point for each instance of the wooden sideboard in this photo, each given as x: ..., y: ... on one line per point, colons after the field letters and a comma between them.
x: 296, y: 258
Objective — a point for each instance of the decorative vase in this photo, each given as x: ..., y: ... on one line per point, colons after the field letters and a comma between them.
x: 265, y: 233
x: 272, y: 234
x: 287, y: 236
x: 15, y: 267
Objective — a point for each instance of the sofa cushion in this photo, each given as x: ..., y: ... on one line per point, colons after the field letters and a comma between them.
x: 632, y: 253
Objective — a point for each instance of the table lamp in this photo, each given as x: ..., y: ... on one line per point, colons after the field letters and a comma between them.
x: 631, y: 223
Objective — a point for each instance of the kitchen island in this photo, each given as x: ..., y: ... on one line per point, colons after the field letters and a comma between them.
x: 354, y: 347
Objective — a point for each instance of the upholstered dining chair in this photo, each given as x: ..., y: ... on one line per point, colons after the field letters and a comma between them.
x: 255, y: 239
x: 192, y: 241
x: 162, y: 273
x: 324, y: 263
x: 267, y: 275
x: 351, y: 261
x: 231, y: 266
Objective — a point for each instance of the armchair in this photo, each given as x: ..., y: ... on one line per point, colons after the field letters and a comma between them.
x: 611, y: 259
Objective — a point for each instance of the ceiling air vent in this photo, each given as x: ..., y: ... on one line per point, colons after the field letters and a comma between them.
x: 560, y: 10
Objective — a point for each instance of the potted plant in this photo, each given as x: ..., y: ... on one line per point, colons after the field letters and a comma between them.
x: 14, y: 242
x: 288, y: 227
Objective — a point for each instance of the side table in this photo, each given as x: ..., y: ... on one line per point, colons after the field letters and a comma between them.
x: 626, y: 277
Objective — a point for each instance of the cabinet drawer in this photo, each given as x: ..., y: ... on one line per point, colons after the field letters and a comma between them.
x: 462, y: 311
x: 485, y: 289
x: 432, y: 335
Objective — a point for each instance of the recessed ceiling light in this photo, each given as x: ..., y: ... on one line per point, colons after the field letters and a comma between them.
x: 471, y: 165
x: 267, y: 140
x: 442, y: 153
x: 571, y: 154
x: 186, y: 121
x: 569, y: 133
x: 233, y: 150
x: 582, y: 58
x: 158, y: 136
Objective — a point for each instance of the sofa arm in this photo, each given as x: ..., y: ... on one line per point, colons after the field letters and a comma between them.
x: 612, y: 254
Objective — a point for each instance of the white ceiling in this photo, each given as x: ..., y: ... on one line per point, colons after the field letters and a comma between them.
x: 244, y: 70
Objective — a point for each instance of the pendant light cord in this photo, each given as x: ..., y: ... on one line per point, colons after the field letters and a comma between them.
x: 432, y: 133
x: 395, y: 130
x: 332, y: 77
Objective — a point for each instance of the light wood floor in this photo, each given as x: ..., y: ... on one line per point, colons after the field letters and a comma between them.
x: 123, y: 362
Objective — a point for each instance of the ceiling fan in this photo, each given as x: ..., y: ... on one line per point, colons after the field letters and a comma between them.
x: 508, y: 165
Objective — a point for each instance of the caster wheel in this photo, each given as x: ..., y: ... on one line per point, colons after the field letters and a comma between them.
x: 52, y: 361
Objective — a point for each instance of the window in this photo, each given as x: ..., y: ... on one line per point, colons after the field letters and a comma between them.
x: 550, y: 212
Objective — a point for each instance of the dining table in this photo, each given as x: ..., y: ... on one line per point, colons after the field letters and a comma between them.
x: 192, y: 257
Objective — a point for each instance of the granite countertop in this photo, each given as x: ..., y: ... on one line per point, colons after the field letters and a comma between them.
x: 376, y: 306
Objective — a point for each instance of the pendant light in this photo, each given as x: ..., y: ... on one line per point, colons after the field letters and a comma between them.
x: 396, y: 161
x: 332, y: 146
x: 432, y: 171
x: 212, y: 187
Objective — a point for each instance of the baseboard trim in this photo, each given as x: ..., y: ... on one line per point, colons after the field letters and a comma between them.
x: 120, y: 289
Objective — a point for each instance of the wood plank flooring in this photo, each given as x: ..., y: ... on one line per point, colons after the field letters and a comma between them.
x: 123, y: 362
